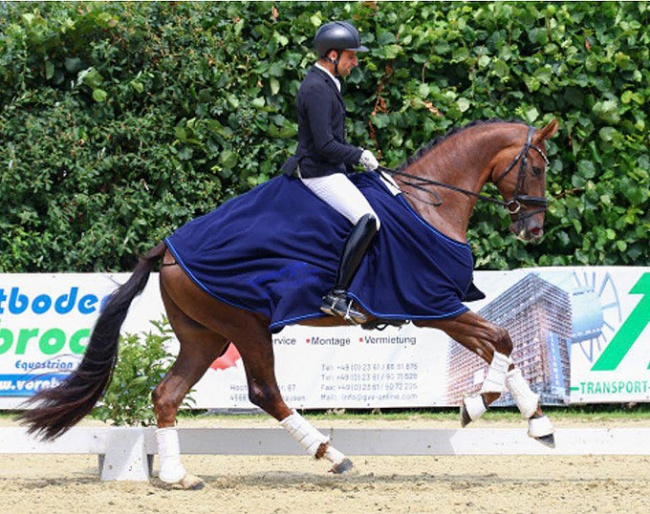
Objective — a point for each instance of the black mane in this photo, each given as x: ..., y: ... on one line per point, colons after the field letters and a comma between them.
x: 456, y: 130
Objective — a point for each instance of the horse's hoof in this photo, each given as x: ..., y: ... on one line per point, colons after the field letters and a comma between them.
x: 342, y: 467
x: 541, y: 429
x: 547, y: 440
x: 187, y: 483
x: 471, y: 409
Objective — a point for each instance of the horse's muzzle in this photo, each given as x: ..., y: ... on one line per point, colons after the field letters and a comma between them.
x: 527, y: 230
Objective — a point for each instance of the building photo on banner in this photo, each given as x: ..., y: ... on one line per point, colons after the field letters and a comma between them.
x: 580, y: 336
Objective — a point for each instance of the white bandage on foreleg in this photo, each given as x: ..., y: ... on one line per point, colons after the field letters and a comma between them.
x: 169, y: 452
x: 526, y: 400
x: 474, y: 406
x: 496, y: 375
x: 540, y: 427
x: 309, y: 438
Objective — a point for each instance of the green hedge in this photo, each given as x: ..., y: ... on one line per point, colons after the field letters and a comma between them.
x: 121, y: 121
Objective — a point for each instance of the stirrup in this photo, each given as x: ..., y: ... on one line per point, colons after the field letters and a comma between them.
x: 336, y: 305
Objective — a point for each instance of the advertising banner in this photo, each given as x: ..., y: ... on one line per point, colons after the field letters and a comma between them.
x: 45, y: 321
x: 581, y: 330
x: 341, y: 367
x: 581, y: 335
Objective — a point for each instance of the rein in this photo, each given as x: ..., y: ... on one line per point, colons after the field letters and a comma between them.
x: 430, y: 182
x: 513, y: 206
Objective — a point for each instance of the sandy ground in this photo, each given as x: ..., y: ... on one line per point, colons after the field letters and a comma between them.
x: 252, y: 484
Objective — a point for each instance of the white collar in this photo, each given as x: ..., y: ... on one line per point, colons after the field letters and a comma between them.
x: 336, y: 81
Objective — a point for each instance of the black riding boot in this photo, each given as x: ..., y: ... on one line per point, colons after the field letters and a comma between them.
x: 337, y: 302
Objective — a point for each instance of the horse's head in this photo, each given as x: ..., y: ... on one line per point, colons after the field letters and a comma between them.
x: 520, y: 175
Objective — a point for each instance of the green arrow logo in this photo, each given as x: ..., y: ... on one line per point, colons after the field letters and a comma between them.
x: 630, y: 331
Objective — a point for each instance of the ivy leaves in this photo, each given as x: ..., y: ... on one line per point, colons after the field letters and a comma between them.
x: 121, y: 121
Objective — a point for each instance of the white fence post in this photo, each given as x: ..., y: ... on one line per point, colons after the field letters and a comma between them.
x: 126, y: 455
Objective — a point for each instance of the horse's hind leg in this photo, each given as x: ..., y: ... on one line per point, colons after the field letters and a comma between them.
x: 251, y: 335
x: 256, y: 351
x: 493, y: 344
x: 199, y: 347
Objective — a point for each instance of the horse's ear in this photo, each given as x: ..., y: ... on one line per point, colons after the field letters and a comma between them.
x: 548, y: 131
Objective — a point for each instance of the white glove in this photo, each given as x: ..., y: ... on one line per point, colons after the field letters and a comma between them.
x: 368, y: 161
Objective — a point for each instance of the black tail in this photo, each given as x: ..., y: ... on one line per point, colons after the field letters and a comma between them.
x: 60, y: 408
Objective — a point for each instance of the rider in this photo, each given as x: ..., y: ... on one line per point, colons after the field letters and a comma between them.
x: 323, y: 156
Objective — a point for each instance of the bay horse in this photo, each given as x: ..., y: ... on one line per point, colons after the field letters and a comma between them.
x: 440, y: 185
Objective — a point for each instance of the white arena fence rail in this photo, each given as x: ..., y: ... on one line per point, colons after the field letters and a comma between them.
x: 126, y: 453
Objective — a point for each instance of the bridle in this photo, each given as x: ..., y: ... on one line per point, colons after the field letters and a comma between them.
x: 513, y: 206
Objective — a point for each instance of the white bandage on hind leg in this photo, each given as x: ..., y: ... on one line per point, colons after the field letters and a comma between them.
x: 496, y: 375
x: 305, y: 435
x: 333, y: 455
x: 525, y: 398
x: 169, y: 452
x: 309, y: 438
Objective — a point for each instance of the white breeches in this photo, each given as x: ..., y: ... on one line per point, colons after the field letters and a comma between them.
x: 342, y: 195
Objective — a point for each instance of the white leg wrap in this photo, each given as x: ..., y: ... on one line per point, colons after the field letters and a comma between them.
x: 475, y: 406
x: 309, y: 438
x: 333, y: 455
x: 540, y: 427
x: 496, y: 376
x: 169, y: 452
x: 526, y: 400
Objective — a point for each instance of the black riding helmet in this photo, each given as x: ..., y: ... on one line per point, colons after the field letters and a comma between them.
x: 337, y: 35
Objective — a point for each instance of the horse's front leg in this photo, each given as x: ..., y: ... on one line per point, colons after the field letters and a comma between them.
x: 490, y: 342
x: 493, y: 344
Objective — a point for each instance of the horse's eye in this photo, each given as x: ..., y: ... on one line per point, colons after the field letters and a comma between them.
x: 537, y: 171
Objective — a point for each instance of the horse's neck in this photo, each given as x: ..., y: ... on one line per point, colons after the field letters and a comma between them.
x: 459, y: 162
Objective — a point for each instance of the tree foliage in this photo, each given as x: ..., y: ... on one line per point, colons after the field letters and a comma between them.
x: 120, y: 121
